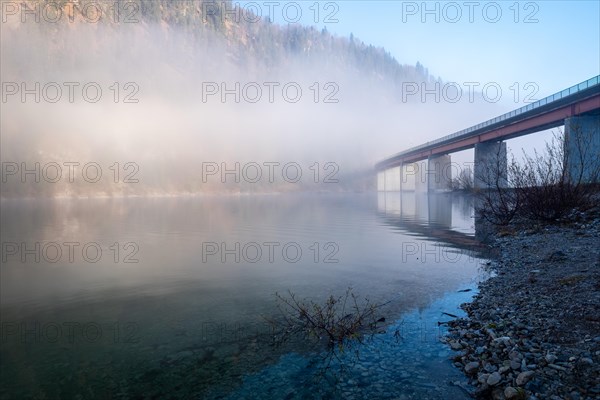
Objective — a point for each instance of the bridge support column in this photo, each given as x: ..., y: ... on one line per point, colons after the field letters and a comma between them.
x: 439, y: 173
x: 582, y: 148
x: 490, y: 165
x: 402, y: 178
x: 409, y: 176
x: 381, y: 181
x: 420, y: 172
x: 392, y: 179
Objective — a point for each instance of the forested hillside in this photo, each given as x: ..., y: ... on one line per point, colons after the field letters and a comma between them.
x: 251, y: 41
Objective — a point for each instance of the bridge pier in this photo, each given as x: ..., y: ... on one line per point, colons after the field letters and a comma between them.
x: 420, y: 172
x: 393, y: 181
x: 410, y: 176
x: 490, y: 165
x: 381, y: 181
x: 582, y: 148
x: 439, y: 173
x: 389, y: 180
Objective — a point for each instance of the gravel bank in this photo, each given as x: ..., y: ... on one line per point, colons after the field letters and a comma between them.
x: 533, y: 331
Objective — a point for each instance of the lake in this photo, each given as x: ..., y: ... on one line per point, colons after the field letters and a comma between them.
x: 169, y: 297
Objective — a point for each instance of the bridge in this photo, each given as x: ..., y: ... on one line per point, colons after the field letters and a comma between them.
x: 577, y: 108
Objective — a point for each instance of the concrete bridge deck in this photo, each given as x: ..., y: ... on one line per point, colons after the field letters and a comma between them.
x: 563, y: 108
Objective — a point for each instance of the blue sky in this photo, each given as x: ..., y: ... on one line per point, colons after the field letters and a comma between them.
x: 554, y: 44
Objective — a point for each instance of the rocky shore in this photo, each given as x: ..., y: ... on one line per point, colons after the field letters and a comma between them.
x: 533, y: 330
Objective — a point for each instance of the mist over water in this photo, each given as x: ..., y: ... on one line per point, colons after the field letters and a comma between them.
x: 172, y: 100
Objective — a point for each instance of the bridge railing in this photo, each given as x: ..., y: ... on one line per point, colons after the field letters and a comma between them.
x: 546, y: 100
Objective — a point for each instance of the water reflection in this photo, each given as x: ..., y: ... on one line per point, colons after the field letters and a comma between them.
x: 447, y: 218
x: 436, y: 209
x: 179, y: 310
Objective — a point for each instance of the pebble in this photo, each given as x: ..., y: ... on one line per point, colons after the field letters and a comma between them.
x: 482, y: 378
x: 557, y: 367
x: 524, y: 377
x: 456, y: 346
x: 503, y: 370
x: 472, y: 367
x: 510, y: 392
x: 494, y: 379
x: 550, y: 358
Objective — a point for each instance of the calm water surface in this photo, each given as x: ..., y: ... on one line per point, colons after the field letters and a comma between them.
x: 167, y: 297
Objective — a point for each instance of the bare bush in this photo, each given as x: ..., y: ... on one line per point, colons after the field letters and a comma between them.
x: 546, y: 185
x: 464, y: 181
x: 498, y: 201
x: 336, y: 321
x: 338, y: 326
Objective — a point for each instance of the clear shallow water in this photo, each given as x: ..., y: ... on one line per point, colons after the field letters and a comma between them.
x: 183, y: 320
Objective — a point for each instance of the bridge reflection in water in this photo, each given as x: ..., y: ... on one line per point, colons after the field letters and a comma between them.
x: 446, y: 218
